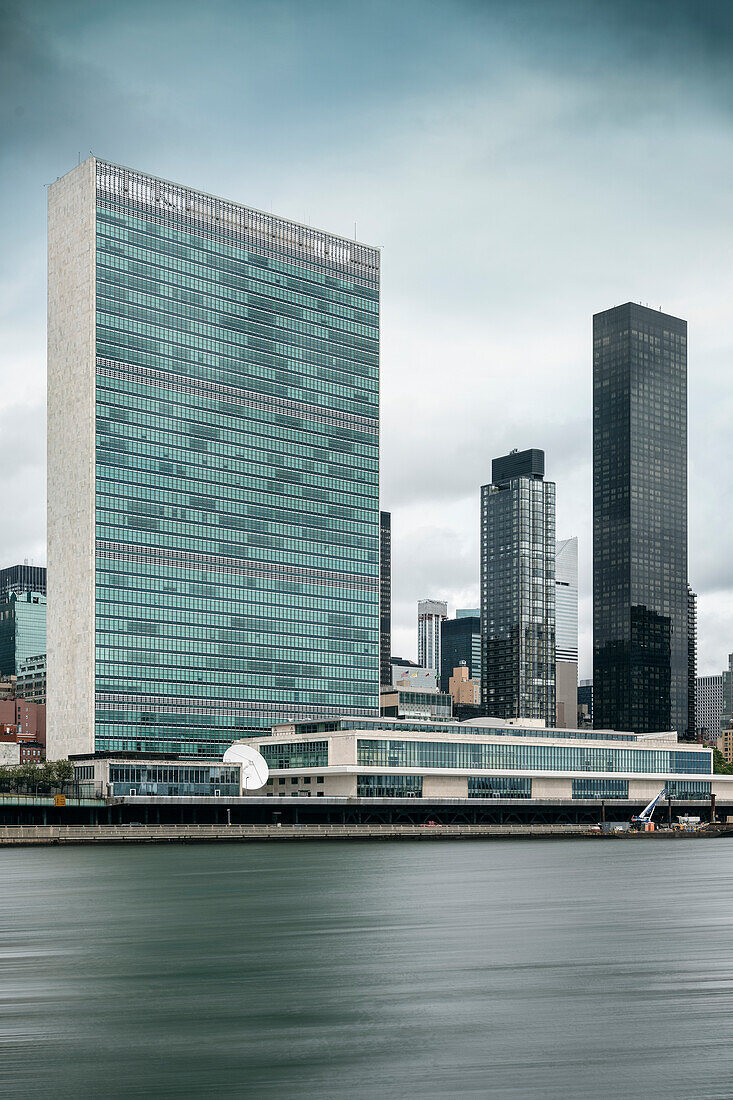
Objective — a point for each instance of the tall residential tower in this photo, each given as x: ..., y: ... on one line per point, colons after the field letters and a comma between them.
x: 566, y: 632
x: 640, y: 603
x: 518, y: 589
x: 430, y: 615
x: 213, y: 512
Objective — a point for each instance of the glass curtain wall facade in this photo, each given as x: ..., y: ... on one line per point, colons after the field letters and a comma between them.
x: 518, y: 589
x: 385, y: 598
x: 236, y: 455
x: 589, y: 758
x: 640, y: 602
x: 22, y: 630
x: 460, y: 641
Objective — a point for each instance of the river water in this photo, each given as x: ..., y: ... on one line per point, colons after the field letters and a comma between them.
x: 518, y: 969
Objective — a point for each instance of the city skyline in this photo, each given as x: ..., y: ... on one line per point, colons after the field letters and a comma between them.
x: 508, y: 297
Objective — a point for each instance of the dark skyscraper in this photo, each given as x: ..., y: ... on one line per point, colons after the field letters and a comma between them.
x: 385, y: 597
x: 460, y: 641
x: 518, y: 589
x: 640, y: 604
x: 23, y: 578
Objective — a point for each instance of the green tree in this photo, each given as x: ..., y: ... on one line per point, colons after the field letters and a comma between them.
x: 720, y: 764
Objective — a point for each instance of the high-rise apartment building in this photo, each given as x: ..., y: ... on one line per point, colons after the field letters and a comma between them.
x: 460, y: 641
x: 430, y: 615
x: 22, y: 630
x: 726, y: 712
x: 640, y: 602
x: 566, y: 632
x: 385, y: 598
x: 518, y: 589
x: 23, y: 578
x: 708, y: 706
x: 213, y: 511
x: 691, y: 731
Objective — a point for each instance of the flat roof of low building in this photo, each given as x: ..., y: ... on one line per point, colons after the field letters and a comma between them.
x: 495, y: 727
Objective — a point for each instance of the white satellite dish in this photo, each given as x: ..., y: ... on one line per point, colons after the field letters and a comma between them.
x: 254, y: 766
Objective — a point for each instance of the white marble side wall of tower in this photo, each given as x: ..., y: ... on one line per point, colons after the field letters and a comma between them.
x: 71, y: 461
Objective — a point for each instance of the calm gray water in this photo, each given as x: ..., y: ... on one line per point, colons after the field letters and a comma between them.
x: 515, y: 969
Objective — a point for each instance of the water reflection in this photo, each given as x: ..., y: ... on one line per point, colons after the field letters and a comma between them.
x: 513, y: 969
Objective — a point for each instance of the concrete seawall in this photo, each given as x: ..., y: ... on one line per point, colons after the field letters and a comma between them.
x: 12, y: 835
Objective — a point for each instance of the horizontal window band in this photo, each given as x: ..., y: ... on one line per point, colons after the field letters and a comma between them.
x: 184, y: 559
x: 199, y: 387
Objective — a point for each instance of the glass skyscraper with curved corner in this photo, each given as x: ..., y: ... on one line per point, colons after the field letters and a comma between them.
x: 640, y: 595
x: 213, y: 402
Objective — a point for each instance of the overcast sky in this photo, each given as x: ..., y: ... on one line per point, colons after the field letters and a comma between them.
x: 523, y: 165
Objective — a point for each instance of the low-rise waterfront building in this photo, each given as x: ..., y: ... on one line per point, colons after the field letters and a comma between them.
x: 157, y: 774
x: 484, y: 758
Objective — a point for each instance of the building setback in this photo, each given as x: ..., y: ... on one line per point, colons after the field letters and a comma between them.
x: 213, y: 512
x: 640, y: 602
x: 566, y: 631
x: 518, y: 589
x: 385, y: 598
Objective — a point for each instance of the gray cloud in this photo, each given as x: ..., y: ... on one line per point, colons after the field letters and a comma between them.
x: 523, y: 165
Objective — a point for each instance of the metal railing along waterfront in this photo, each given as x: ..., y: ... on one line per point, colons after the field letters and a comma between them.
x: 156, y: 833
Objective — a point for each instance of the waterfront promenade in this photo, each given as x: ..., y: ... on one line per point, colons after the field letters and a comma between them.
x: 14, y: 835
